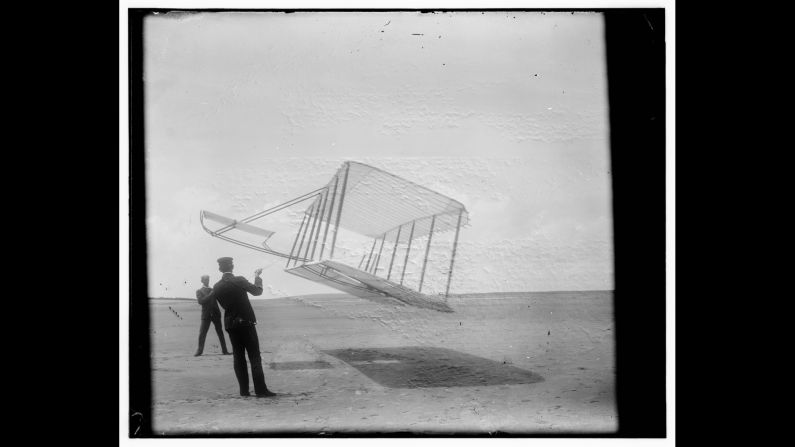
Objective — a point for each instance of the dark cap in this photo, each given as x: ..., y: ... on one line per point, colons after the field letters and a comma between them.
x: 225, y: 260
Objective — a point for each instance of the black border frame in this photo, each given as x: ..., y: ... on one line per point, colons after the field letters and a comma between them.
x: 635, y: 54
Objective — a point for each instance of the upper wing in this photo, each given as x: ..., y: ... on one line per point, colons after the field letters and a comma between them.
x: 377, y: 203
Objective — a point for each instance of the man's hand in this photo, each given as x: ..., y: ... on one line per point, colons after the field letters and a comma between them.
x: 257, y: 272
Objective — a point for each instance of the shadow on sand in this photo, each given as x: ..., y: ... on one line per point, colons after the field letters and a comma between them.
x: 428, y: 367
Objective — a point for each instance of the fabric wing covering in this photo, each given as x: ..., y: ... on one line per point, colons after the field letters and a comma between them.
x: 377, y: 202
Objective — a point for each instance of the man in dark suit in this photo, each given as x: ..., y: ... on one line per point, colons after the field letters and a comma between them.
x: 210, y: 314
x: 231, y: 292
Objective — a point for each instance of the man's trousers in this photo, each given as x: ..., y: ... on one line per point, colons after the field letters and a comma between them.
x: 244, y: 340
x: 205, y: 326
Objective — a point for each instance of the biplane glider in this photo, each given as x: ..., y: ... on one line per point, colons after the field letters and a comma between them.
x: 368, y: 202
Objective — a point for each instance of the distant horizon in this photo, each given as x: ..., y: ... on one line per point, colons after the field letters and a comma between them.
x: 353, y: 296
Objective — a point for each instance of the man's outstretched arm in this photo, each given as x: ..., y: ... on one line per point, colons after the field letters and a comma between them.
x: 256, y: 288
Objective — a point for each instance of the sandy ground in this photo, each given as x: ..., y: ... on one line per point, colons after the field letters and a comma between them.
x: 513, y: 363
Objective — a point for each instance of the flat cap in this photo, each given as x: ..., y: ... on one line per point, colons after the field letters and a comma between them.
x: 224, y: 260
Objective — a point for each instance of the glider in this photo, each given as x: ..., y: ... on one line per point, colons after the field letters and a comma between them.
x: 369, y: 202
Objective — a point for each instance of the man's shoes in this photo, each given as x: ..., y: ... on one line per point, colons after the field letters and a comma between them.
x: 245, y: 394
x: 266, y: 394
x: 227, y: 353
x: 197, y: 354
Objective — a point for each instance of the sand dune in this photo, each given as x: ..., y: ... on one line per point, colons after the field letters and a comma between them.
x: 511, y: 362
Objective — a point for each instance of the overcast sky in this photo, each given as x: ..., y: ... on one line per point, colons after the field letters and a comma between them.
x: 505, y: 112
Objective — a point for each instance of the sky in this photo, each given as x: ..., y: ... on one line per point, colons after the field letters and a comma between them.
x: 505, y: 112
